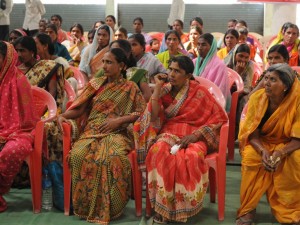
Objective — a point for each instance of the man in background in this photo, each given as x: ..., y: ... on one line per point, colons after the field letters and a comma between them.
x: 34, y: 11
x: 5, y: 10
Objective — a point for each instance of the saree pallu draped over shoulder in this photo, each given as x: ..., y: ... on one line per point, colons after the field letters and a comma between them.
x: 283, y: 185
x: 177, y: 183
x: 101, y: 172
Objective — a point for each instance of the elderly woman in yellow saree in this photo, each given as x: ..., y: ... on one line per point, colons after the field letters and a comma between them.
x: 101, y: 172
x: 269, y: 144
x: 91, y: 59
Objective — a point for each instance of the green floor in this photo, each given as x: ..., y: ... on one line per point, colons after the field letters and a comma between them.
x: 20, y: 209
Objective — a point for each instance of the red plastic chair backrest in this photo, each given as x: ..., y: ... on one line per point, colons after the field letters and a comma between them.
x: 213, y: 89
x: 79, y: 77
x: 257, y: 72
x: 296, y: 68
x: 70, y: 91
x: 43, y: 100
x: 234, y: 77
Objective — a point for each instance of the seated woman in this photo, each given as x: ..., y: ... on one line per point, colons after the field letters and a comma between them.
x: 239, y: 60
x: 172, y: 40
x: 98, y: 158
x: 185, y: 114
x: 178, y: 26
x: 121, y: 33
x: 46, y: 74
x: 231, y: 38
x: 76, y: 44
x: 42, y: 25
x: 133, y: 73
x: 145, y: 60
x: 91, y: 59
x: 15, y: 34
x: 288, y: 36
x: 59, y: 49
x: 16, y: 119
x: 276, y: 54
x: 269, y: 144
x: 192, y: 45
x: 209, y: 66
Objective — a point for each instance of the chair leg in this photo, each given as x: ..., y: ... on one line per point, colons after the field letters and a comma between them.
x: 148, y: 204
x: 137, y: 185
x: 212, y: 185
x: 221, y: 180
x: 66, y: 170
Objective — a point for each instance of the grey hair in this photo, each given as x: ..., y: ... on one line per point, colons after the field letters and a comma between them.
x: 285, y: 72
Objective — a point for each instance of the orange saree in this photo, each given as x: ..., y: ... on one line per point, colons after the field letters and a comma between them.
x: 283, y: 185
x: 177, y: 183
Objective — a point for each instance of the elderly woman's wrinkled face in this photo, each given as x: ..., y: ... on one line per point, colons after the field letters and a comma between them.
x: 103, y: 38
x: 203, y: 47
x: 177, y: 76
x: 24, y: 55
x: 274, y: 58
x: 274, y: 86
x: 290, y: 36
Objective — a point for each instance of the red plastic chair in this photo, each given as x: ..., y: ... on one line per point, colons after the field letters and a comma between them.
x: 67, y: 173
x: 43, y: 100
x: 79, y: 77
x: 257, y: 72
x: 296, y: 68
x: 234, y: 78
x: 70, y: 93
x: 216, y: 161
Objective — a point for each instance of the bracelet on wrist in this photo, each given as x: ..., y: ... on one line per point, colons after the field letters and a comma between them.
x: 154, y: 99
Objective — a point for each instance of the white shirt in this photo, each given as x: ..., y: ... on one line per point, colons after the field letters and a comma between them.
x: 4, y: 14
x: 176, y: 12
x: 34, y: 11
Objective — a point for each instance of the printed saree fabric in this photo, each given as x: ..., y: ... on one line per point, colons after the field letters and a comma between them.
x: 38, y: 75
x: 91, y: 60
x: 101, y: 172
x: 39, y: 72
x: 17, y: 119
x: 284, y: 184
x: 178, y: 183
x: 16, y: 112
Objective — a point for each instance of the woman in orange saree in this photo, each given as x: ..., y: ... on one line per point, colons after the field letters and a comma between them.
x: 91, y: 59
x: 269, y: 144
x: 16, y: 119
x: 182, y: 113
x: 101, y: 172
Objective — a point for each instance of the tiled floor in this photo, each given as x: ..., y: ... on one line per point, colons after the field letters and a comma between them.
x: 20, y: 209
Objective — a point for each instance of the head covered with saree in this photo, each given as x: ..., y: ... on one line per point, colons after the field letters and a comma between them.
x: 279, y: 127
x: 91, y: 50
x: 199, y: 68
x: 16, y: 114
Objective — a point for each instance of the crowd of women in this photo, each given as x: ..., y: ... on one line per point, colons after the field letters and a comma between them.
x: 141, y: 94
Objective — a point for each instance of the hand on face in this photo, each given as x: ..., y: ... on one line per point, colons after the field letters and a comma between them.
x: 160, y: 79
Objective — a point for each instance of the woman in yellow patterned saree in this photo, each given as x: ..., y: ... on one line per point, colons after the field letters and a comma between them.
x: 269, y: 143
x: 101, y: 172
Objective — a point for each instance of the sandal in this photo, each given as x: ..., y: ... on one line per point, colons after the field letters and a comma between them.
x: 244, y: 221
x: 247, y: 219
x: 160, y: 219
